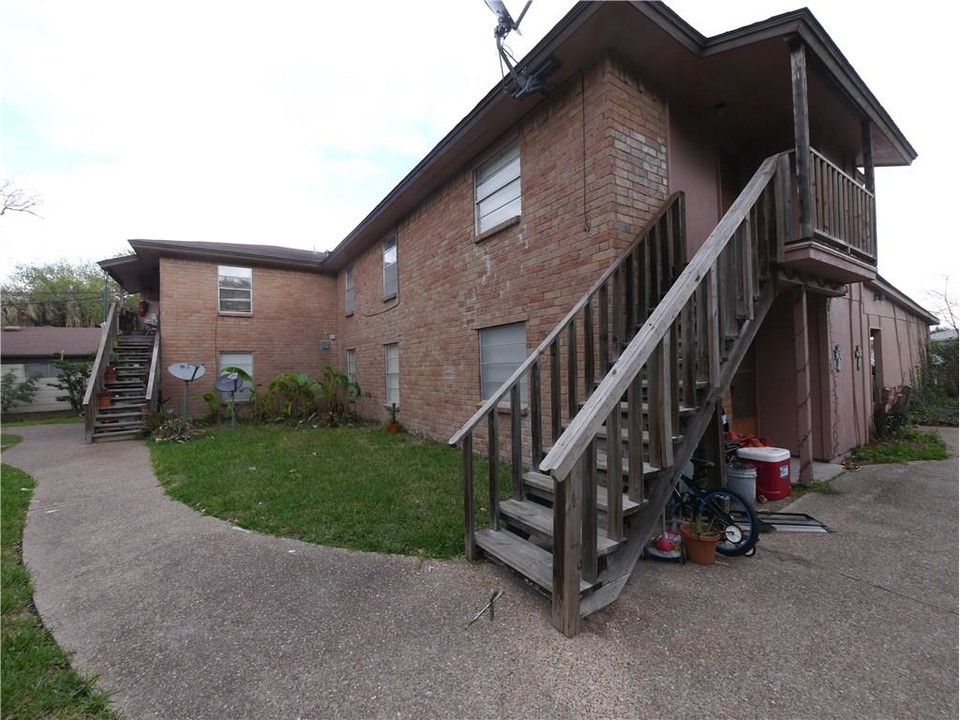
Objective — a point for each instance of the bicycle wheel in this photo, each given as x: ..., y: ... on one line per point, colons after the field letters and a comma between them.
x: 739, y: 524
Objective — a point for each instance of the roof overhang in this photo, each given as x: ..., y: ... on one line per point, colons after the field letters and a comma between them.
x: 686, y: 66
x: 141, y: 272
x: 882, y: 285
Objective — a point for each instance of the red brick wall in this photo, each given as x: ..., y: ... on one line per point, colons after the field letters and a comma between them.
x: 576, y: 216
x: 292, y: 313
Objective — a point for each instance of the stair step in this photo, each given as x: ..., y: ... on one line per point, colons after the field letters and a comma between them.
x: 108, y: 437
x: 542, y: 486
x: 533, y: 517
x: 104, y: 413
x: 531, y: 561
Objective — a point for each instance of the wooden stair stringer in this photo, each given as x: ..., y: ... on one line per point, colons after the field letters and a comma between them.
x: 622, y: 564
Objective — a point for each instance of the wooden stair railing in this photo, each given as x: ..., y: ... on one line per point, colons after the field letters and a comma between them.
x: 716, y: 305
x: 666, y: 343
x: 153, y: 379
x: 562, y: 372
x: 95, y: 383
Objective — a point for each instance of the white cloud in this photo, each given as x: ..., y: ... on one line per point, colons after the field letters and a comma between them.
x: 288, y: 123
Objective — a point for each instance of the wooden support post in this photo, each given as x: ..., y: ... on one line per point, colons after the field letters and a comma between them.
x: 566, y: 552
x: 516, y: 443
x: 617, y: 314
x: 635, y: 488
x: 572, y: 365
x: 784, y: 205
x: 555, y: 390
x: 615, y: 475
x: 493, y: 462
x: 588, y: 352
x: 536, y: 415
x: 801, y: 133
x: 870, y: 239
x: 665, y: 379
x: 588, y: 515
x: 804, y: 404
x: 469, y: 541
x: 713, y: 443
x: 603, y: 337
x: 713, y: 327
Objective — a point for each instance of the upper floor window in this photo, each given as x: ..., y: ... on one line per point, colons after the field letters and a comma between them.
x: 235, y: 289
x: 349, y: 295
x: 390, y: 267
x: 502, y: 350
x: 497, y: 189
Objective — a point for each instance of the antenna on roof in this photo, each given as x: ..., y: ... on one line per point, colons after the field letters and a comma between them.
x: 524, y: 83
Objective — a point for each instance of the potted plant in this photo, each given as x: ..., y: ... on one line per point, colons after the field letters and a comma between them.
x: 104, y: 400
x: 393, y: 426
x: 699, y: 537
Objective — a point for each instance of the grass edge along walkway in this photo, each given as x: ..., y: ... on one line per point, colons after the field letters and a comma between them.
x: 37, y: 679
x: 355, y: 487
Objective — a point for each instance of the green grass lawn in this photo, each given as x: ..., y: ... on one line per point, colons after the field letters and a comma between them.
x: 904, y: 446
x: 37, y: 680
x: 57, y: 418
x: 353, y: 487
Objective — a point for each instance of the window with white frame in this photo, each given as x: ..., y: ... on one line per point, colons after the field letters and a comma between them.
x: 352, y: 364
x: 497, y: 189
x: 235, y: 289
x: 242, y: 360
x: 349, y: 295
x: 391, y: 363
x: 502, y: 350
x: 390, y: 281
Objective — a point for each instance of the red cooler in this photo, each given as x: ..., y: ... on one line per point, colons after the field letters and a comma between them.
x: 773, y: 470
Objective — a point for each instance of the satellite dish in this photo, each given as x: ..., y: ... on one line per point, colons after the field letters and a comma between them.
x: 230, y: 382
x: 188, y: 372
x: 524, y: 83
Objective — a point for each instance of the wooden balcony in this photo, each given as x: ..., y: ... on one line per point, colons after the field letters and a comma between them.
x: 838, y: 240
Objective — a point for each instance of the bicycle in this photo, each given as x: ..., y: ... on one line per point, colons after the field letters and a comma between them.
x: 738, y: 523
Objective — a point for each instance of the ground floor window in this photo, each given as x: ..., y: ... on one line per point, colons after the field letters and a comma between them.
x: 503, y: 349
x: 242, y: 360
x: 391, y: 362
x: 352, y: 364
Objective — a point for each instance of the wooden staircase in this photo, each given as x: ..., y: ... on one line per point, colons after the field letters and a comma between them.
x: 574, y: 509
x: 123, y: 419
x: 133, y: 392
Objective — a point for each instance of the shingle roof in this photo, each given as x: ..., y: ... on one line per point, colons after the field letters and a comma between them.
x: 48, y: 341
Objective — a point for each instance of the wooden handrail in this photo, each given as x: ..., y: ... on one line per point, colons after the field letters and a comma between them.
x: 95, y: 382
x: 492, y: 402
x: 152, y: 378
x: 583, y: 428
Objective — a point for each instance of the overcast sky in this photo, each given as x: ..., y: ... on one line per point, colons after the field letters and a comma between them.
x: 285, y: 123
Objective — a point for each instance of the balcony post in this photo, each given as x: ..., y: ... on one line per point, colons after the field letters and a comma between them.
x: 868, y: 174
x: 801, y: 133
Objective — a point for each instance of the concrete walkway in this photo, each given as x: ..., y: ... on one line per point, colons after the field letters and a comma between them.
x: 186, y: 616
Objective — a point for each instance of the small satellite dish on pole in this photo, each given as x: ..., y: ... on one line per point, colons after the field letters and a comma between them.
x: 524, y: 83
x: 188, y: 372
x: 230, y: 382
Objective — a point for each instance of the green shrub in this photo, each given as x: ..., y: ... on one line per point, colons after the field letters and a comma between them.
x: 18, y: 393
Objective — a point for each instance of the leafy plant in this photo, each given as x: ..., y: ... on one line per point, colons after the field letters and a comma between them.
x: 704, y: 524
x: 215, y: 407
x: 18, y: 393
x: 905, y: 445
x: 337, y: 395
x: 936, y: 400
x: 74, y: 375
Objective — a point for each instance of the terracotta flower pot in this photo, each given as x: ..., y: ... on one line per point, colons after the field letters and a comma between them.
x: 701, y: 549
x: 104, y: 400
x: 393, y: 428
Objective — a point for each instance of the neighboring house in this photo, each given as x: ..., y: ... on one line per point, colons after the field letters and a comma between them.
x: 32, y: 350
x: 757, y: 287
x: 943, y: 334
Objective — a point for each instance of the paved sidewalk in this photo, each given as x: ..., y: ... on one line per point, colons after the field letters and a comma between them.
x: 186, y: 616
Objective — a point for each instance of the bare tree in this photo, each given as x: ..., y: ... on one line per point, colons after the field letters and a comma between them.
x: 15, y: 199
x: 945, y: 305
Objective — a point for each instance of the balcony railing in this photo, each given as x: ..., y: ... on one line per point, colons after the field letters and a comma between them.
x: 843, y: 210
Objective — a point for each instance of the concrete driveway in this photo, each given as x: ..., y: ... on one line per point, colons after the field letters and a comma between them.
x: 186, y: 616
